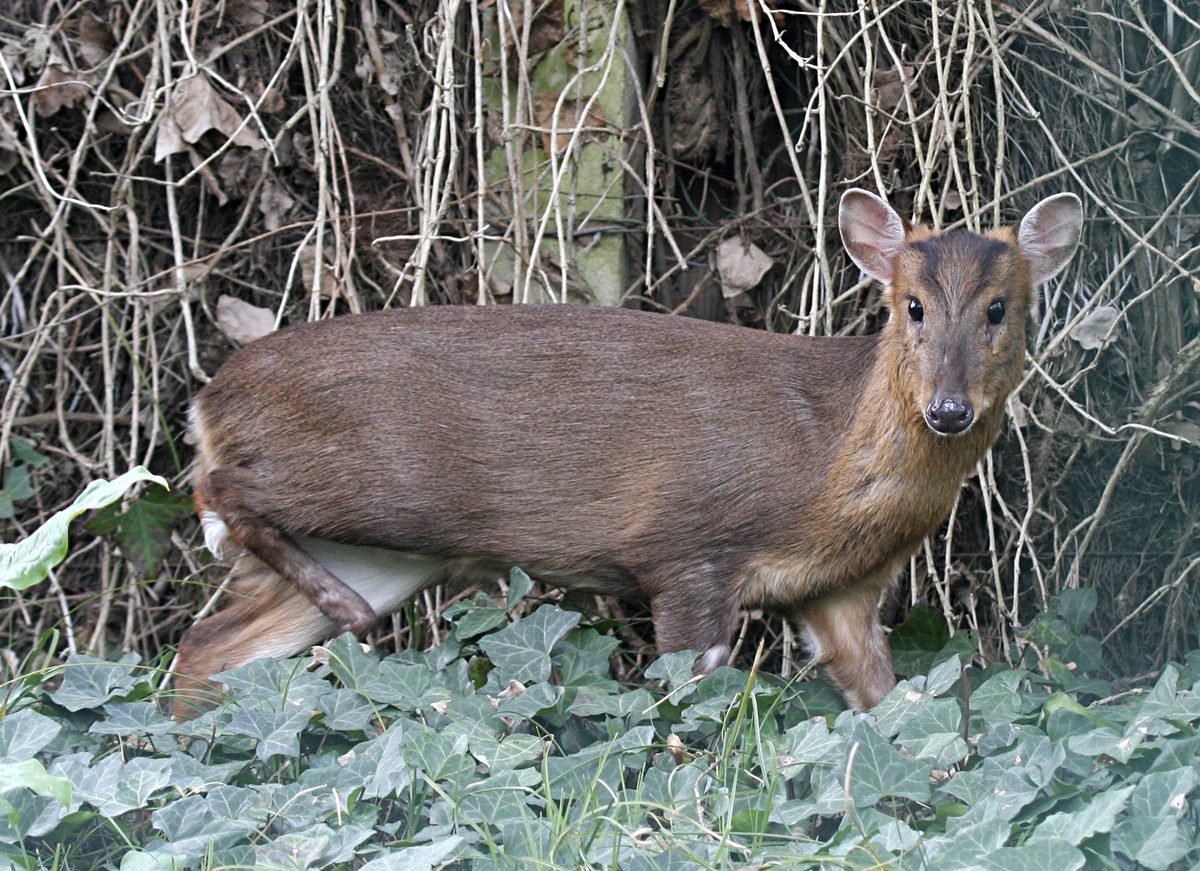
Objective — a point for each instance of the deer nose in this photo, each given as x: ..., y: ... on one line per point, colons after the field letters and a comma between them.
x: 949, y: 416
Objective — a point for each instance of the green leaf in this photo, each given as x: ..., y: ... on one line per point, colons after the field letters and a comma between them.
x: 17, y: 485
x: 1049, y: 854
x: 521, y: 651
x: 924, y: 639
x: 516, y: 750
x: 998, y: 700
x: 422, y: 858
x: 140, y: 860
x: 478, y: 617
x: 89, y: 682
x: 143, y: 529
x: 1106, y: 742
x: 32, y: 775
x: 1075, y: 607
x: 1155, y: 842
x: 519, y: 585
x: 1098, y: 815
x: 1163, y: 793
x: 1050, y: 631
x: 346, y: 711
x: 935, y: 733
x: 675, y: 669
x: 810, y: 741
x: 25, y: 733
x: 111, y: 786
x: 197, y: 823
x: 132, y: 718
x: 24, y: 452
x: 27, y: 562
x: 877, y: 769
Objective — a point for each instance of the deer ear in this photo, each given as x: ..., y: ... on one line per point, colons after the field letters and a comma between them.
x: 1049, y: 235
x: 872, y: 232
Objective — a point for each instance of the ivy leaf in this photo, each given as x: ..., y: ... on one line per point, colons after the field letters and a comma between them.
x: 27, y: 562
x: 25, y: 733
x: 877, y: 769
x: 521, y: 650
x: 519, y: 585
x: 1074, y: 826
x: 421, y: 858
x: 32, y: 775
x: 24, y: 452
x: 17, y: 483
x: 143, y: 529
x: 89, y: 682
x: 924, y: 640
x: 1154, y: 842
x: 1075, y: 607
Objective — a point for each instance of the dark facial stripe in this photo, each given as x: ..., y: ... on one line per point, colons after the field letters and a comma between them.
x: 942, y: 256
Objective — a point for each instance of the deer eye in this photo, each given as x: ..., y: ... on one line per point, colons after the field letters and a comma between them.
x: 996, y: 312
x: 916, y: 311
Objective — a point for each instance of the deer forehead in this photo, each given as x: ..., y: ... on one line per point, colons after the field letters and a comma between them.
x: 953, y: 268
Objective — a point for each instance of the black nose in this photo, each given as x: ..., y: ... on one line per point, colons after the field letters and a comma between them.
x: 950, y: 416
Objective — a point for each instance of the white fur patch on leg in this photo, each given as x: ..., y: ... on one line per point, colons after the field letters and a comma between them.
x: 811, y: 641
x: 216, y: 534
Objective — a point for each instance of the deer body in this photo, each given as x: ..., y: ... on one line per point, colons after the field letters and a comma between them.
x: 351, y: 463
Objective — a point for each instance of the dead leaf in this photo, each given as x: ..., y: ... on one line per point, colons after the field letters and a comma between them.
x: 566, y: 122
x: 193, y: 109
x: 1090, y: 331
x: 248, y: 13
x: 267, y: 99
x: 242, y: 321
x: 741, y: 265
x: 308, y: 265
x: 391, y: 77
x: 888, y: 93
x: 274, y: 203
x: 59, y: 88
x: 37, y: 46
x: 545, y: 31
x: 96, y: 41
x: 720, y: 10
x: 743, y: 11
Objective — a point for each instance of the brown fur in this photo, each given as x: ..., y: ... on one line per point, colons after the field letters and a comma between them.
x: 706, y: 467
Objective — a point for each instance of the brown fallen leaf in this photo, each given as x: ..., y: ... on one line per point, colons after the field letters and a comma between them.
x: 58, y: 88
x: 193, y: 109
x: 889, y: 87
x: 95, y: 39
x: 248, y: 13
x: 274, y: 203
x: 743, y: 11
x: 308, y: 266
x: 720, y: 10
x: 242, y: 321
x: 741, y: 265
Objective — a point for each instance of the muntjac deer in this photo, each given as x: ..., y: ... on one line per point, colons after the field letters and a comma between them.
x: 348, y: 464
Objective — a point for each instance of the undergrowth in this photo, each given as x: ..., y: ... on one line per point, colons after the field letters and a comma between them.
x: 510, y: 745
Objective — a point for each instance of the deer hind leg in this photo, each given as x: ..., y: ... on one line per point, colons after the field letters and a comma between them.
x: 267, y: 617
x: 694, y: 613
x: 226, y: 491
x: 845, y: 633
